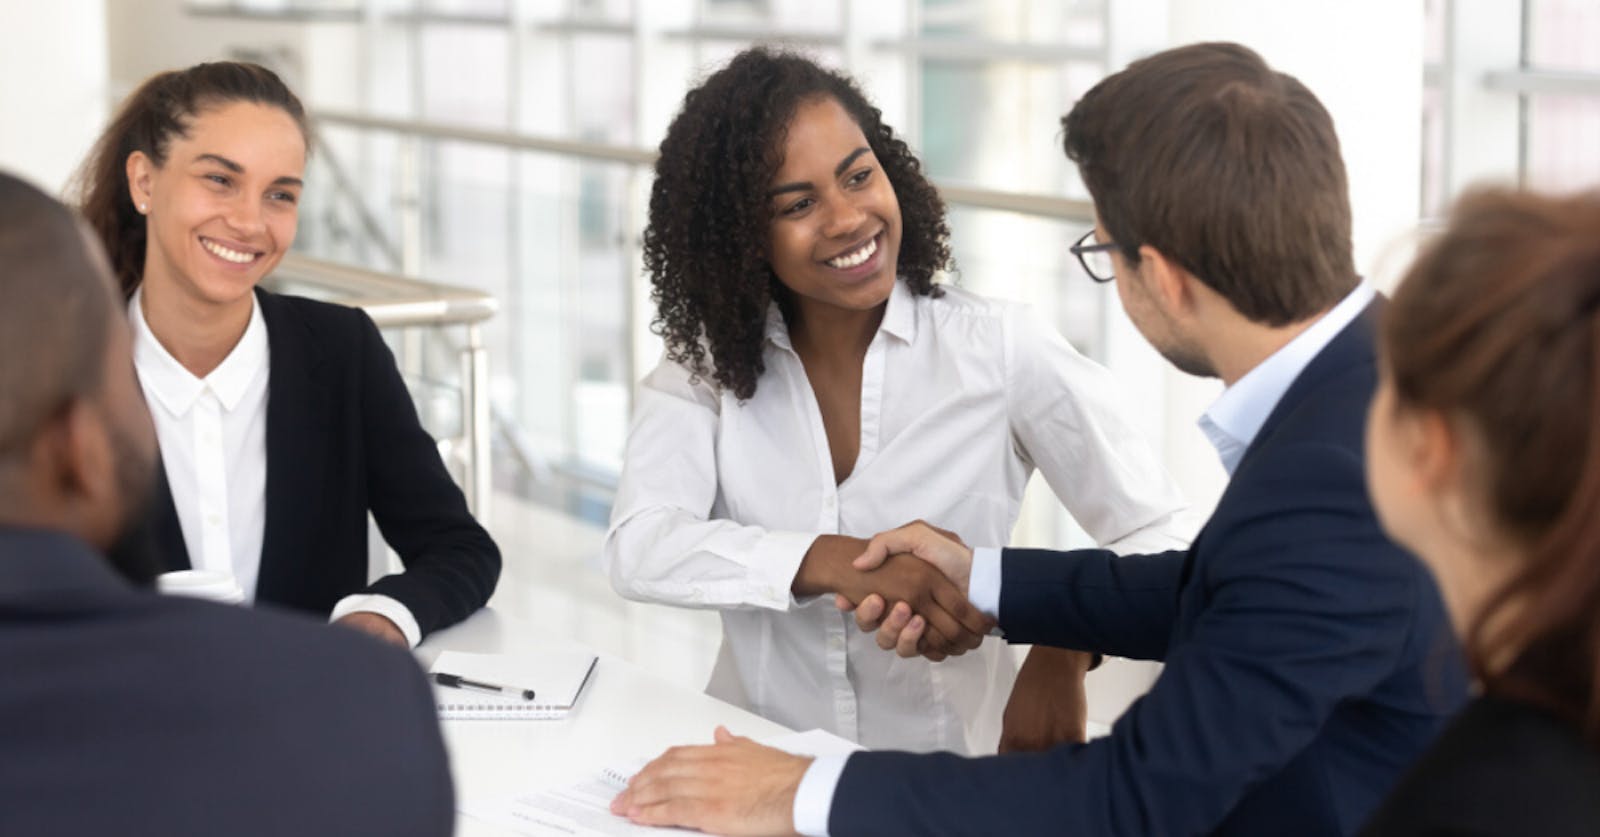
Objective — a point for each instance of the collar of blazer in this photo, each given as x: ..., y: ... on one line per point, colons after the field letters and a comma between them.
x: 1352, y: 347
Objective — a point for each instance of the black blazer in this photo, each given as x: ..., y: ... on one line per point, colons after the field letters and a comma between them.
x: 128, y: 713
x: 1308, y: 658
x: 343, y: 438
x: 1501, y: 768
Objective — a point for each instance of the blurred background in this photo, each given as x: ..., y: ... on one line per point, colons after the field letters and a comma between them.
x: 481, y: 168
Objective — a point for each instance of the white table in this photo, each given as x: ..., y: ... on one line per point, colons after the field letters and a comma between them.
x: 623, y: 713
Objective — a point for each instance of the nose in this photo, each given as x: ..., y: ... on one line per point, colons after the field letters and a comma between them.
x: 844, y: 218
x: 244, y: 215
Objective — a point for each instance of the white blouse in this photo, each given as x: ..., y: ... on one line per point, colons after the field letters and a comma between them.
x: 212, y: 433
x: 961, y: 398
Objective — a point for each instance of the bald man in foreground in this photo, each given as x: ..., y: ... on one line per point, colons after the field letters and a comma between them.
x: 125, y: 712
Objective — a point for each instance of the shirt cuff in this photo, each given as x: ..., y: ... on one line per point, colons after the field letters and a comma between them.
x: 774, y: 563
x: 983, y: 586
x: 813, y: 800
x: 384, y: 606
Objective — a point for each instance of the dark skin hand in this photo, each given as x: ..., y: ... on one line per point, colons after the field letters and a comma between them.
x: 1048, y: 705
x: 870, y: 613
x: 950, y: 624
x: 375, y: 625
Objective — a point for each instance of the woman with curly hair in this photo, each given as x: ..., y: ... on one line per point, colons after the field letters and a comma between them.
x: 820, y: 387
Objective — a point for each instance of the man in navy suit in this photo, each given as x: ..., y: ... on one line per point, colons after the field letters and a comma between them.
x: 124, y: 712
x: 1308, y: 659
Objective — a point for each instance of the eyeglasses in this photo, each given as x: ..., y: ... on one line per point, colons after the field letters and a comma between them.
x: 1095, y: 256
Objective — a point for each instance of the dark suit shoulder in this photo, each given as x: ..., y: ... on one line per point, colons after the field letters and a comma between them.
x: 150, y: 703
x: 326, y: 322
x: 1500, y: 768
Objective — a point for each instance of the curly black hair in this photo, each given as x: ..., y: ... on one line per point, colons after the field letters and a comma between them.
x: 709, y: 213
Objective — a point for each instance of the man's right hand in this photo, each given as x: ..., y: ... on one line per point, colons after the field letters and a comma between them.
x: 947, y: 623
x: 897, y: 627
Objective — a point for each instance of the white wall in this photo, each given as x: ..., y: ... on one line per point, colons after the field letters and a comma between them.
x: 52, y: 86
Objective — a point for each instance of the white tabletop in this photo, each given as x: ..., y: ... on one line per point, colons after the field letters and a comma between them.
x: 624, y: 713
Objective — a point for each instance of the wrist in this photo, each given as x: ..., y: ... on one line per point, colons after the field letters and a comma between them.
x: 826, y: 565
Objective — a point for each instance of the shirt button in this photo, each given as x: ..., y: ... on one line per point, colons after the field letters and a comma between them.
x: 213, y: 520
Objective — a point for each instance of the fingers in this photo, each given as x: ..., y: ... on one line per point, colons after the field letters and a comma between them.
x: 943, y: 632
x: 870, y: 613
x: 895, y: 623
x: 907, y: 643
x: 975, y: 624
x: 843, y: 604
x: 878, y: 550
x: 907, y: 538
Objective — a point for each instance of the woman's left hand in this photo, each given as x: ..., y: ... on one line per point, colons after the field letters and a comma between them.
x: 378, y: 626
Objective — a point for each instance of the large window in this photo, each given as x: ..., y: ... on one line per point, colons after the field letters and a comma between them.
x: 506, y: 144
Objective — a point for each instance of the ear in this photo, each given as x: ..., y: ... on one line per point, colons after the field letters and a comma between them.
x: 1433, y: 444
x: 1167, y: 281
x: 141, y: 172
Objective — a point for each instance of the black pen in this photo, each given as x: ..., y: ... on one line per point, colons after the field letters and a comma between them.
x: 458, y: 682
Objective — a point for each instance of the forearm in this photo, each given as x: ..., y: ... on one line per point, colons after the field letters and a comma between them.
x: 1090, y: 600
x: 443, y: 585
x: 826, y: 568
x: 670, y: 556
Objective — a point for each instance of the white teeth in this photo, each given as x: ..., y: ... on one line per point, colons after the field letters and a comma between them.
x: 226, y: 253
x: 849, y: 260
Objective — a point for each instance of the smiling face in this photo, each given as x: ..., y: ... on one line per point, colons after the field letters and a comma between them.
x: 223, y: 208
x: 835, y: 235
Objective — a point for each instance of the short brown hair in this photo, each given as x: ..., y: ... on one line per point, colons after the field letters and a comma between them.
x: 162, y: 108
x: 1498, y: 323
x: 1229, y: 168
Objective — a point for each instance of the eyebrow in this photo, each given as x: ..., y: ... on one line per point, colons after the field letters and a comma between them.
x: 802, y: 185
x: 238, y: 169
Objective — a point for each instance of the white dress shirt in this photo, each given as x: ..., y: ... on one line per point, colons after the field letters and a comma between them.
x: 213, y: 437
x: 961, y: 398
x: 1230, y: 423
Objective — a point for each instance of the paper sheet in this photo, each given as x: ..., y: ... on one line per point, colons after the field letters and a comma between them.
x: 584, y: 808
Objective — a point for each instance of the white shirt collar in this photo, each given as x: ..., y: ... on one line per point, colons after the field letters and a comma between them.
x: 1234, y: 419
x: 176, y: 387
x: 899, y: 318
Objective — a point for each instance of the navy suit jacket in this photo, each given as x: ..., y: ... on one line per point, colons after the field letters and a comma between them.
x: 343, y: 437
x: 124, y: 712
x: 1308, y: 659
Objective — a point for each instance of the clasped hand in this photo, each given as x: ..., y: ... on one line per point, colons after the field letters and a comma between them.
x: 920, y: 622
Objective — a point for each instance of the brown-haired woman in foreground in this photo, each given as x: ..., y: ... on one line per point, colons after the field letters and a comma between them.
x: 1484, y: 459
x: 282, y: 421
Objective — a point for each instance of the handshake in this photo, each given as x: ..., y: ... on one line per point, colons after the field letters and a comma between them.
x: 909, y: 584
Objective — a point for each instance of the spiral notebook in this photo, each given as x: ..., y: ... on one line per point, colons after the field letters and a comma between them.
x: 556, y: 679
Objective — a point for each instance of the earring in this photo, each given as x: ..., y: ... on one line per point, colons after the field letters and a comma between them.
x: 143, y: 208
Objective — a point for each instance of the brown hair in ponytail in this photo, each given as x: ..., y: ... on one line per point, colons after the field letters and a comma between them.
x: 1498, y: 323
x: 160, y: 109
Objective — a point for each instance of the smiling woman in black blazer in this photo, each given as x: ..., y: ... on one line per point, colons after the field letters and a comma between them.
x: 283, y: 421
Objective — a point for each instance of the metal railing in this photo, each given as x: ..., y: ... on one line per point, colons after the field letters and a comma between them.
x: 1048, y: 206
x: 394, y: 301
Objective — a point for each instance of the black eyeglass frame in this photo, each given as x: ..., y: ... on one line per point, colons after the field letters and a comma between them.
x: 1080, y: 249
